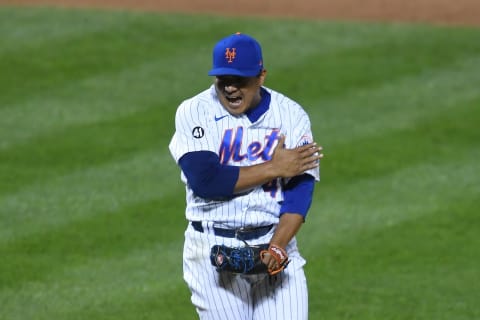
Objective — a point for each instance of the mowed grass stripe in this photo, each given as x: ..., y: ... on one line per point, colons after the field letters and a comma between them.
x: 103, y: 91
x: 422, y: 268
x: 385, y: 55
x: 84, y: 246
x: 431, y: 139
x: 376, y: 180
x: 394, y: 104
x: 101, y: 97
x: 341, y: 213
x: 115, y: 80
x: 322, y: 253
x: 131, y: 41
x: 142, y: 129
x: 104, y: 235
x: 57, y: 251
x: 126, y: 59
x: 40, y: 25
x: 459, y: 130
x: 92, y: 191
x: 82, y: 146
x: 103, y: 286
x: 345, y: 213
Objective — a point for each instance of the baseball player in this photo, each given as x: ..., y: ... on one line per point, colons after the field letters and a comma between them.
x: 249, y: 163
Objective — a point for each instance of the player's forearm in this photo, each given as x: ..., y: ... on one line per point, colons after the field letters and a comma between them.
x: 287, y: 228
x: 253, y: 176
x: 285, y: 163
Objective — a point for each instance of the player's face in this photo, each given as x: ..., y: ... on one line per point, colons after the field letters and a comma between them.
x: 238, y: 94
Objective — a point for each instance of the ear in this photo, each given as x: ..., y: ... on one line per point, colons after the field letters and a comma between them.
x: 262, y: 77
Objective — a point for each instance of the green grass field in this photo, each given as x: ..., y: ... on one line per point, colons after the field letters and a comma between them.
x: 91, y: 204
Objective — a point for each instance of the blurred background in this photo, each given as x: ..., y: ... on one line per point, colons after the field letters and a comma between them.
x: 91, y: 203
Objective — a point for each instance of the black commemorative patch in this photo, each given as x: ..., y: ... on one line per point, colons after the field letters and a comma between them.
x: 198, y: 132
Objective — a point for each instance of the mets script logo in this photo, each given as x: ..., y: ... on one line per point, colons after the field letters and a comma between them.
x: 230, y: 149
x: 230, y: 54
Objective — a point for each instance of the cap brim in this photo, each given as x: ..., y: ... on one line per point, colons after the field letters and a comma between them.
x: 233, y: 72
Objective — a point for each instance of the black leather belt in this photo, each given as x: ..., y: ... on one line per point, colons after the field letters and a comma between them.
x: 240, y: 233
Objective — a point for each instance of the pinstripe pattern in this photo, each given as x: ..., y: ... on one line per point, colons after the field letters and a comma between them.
x: 202, y: 124
x: 254, y: 297
x: 257, y: 207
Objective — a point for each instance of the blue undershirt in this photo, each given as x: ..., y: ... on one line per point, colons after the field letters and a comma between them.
x: 254, y: 114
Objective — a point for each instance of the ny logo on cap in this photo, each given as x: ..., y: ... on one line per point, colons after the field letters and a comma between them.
x: 230, y: 54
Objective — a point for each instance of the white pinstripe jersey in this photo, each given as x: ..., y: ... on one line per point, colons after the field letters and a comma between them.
x: 202, y: 124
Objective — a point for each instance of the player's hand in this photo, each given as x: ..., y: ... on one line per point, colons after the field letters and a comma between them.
x: 292, y: 162
x: 275, y: 258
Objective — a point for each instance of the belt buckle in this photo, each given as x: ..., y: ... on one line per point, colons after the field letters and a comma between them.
x: 237, y: 231
x: 241, y: 230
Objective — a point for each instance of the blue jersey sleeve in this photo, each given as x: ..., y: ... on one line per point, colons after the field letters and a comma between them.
x: 207, y: 177
x: 297, y: 195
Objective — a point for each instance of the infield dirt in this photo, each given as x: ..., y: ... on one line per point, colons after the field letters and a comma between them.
x: 456, y: 12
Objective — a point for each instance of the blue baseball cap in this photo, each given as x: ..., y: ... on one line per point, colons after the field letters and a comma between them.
x: 237, y: 55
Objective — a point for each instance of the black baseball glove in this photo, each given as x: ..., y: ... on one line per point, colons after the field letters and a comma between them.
x: 244, y: 260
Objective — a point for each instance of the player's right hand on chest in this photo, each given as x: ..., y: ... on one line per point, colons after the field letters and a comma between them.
x: 292, y: 162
